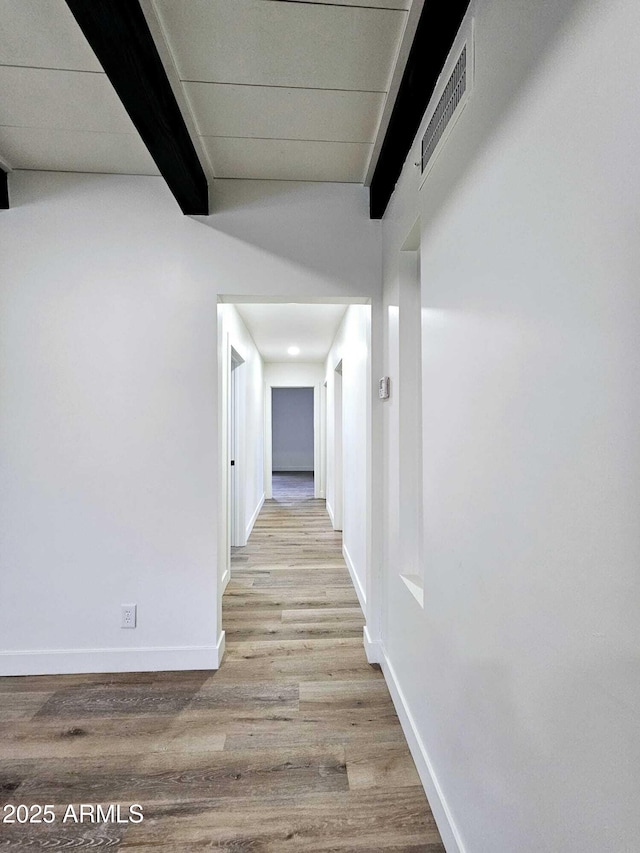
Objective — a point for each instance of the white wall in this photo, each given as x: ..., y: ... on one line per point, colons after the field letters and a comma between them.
x: 285, y: 374
x: 351, y: 346
x: 292, y: 429
x: 108, y: 383
x: 520, y: 674
x: 109, y: 423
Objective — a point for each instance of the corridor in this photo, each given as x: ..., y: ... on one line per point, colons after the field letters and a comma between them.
x: 314, y: 711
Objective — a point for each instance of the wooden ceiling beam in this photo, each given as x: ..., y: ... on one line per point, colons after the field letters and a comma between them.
x: 4, y: 190
x: 118, y: 33
x: 435, y: 34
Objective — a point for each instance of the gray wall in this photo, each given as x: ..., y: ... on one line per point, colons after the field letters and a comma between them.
x: 292, y: 425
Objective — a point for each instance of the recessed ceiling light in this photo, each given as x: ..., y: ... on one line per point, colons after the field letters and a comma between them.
x: 294, y: 350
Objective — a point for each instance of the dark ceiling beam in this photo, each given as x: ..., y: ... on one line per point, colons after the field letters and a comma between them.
x: 4, y: 190
x: 120, y: 38
x: 436, y: 32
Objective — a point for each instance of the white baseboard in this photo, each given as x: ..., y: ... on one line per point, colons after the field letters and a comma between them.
x: 446, y: 825
x: 220, y: 649
x: 73, y: 661
x: 362, y: 598
x: 372, y: 648
x: 330, y: 514
x: 226, y: 577
x: 332, y: 517
x: 254, y: 517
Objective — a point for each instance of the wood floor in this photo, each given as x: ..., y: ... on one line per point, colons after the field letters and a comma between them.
x: 293, y: 745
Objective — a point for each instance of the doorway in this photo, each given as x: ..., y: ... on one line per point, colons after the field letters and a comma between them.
x: 339, y: 380
x: 292, y: 442
x: 298, y: 444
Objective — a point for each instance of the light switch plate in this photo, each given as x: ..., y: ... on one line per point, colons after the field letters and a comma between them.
x: 384, y: 388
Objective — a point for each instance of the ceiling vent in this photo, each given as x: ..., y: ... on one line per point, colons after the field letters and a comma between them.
x: 452, y: 96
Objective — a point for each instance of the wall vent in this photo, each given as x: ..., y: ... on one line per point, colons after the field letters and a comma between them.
x: 450, y: 98
x: 445, y: 109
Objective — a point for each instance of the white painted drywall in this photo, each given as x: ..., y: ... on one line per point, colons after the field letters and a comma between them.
x: 109, y: 355
x: 351, y: 346
x: 293, y: 240
x: 408, y: 389
x: 292, y: 429
x: 285, y: 374
x: 521, y: 673
x: 108, y: 425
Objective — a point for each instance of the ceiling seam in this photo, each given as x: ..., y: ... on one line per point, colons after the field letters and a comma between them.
x: 288, y: 180
x: 341, y: 5
x: 285, y: 86
x: 47, y: 68
x: 285, y: 139
x: 132, y: 133
x: 85, y: 172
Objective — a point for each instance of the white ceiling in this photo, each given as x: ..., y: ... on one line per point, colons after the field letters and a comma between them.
x: 270, y: 89
x: 276, y: 326
x: 58, y: 110
x: 285, y: 89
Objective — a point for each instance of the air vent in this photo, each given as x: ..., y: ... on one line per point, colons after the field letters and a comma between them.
x: 448, y: 107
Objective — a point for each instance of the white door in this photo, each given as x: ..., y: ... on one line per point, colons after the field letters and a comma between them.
x: 337, y: 447
x: 235, y: 521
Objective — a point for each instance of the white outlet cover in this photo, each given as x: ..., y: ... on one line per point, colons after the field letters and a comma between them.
x: 128, y: 616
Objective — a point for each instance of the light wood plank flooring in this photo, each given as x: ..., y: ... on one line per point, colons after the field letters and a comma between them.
x: 293, y: 745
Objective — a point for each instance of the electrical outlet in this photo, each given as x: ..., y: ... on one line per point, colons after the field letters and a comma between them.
x: 128, y: 616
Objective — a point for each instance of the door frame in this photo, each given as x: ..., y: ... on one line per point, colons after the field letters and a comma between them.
x: 337, y: 516
x: 318, y: 473
x: 235, y: 487
x: 375, y: 441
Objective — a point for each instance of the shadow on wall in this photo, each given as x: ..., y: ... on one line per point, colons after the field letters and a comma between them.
x: 322, y: 227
